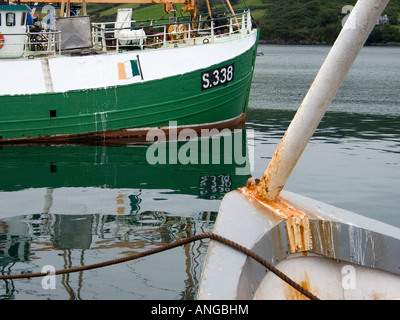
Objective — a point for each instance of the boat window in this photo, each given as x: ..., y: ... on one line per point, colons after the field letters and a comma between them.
x: 23, y: 18
x: 0, y: 19
x: 10, y: 19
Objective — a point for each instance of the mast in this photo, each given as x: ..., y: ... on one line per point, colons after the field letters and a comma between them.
x: 189, y: 5
x: 328, y: 80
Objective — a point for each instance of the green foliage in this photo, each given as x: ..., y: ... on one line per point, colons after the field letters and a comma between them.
x: 318, y: 21
x: 281, y: 21
x: 386, y: 34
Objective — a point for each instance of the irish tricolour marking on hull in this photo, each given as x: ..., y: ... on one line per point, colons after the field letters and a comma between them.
x: 128, y: 69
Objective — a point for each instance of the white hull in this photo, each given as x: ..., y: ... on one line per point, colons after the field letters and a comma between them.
x: 67, y: 73
x: 328, y: 252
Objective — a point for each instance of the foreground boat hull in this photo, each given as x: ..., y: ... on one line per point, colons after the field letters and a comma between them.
x: 139, y: 104
x: 318, y: 250
x: 348, y: 256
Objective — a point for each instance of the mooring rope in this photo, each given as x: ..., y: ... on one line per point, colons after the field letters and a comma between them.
x: 169, y: 246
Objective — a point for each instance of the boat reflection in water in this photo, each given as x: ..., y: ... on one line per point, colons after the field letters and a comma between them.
x: 73, y: 205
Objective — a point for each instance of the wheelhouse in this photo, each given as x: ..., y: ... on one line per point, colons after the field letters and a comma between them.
x: 13, y: 30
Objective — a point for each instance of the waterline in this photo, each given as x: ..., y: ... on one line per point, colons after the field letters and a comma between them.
x: 194, y: 148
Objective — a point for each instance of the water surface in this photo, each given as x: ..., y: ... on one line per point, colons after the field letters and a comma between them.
x: 77, y: 205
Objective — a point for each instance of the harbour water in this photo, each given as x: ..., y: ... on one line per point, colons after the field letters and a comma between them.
x: 77, y: 205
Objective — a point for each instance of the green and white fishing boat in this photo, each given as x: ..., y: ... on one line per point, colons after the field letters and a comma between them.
x: 67, y: 79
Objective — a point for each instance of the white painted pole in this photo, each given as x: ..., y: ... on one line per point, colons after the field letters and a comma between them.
x: 351, y: 39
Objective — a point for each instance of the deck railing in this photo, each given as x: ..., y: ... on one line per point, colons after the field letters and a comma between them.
x: 159, y: 33
x: 149, y: 34
x: 43, y: 42
x: 31, y: 44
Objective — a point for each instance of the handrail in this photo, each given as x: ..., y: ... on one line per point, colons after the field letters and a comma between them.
x: 246, y: 11
x: 33, y: 43
x: 105, y: 36
x: 52, y: 43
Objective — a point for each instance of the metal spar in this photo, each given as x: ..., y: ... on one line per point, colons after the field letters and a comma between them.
x: 343, y: 53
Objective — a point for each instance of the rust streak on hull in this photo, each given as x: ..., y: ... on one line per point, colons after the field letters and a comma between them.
x: 278, y: 206
x: 121, y: 136
x: 296, y: 222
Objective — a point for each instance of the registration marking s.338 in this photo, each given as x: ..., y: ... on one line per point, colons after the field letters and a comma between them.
x: 218, y: 76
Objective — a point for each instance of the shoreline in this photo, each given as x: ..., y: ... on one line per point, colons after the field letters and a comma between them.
x: 314, y: 43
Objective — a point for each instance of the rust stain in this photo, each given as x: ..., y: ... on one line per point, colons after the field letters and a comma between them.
x: 279, y: 206
x: 324, y: 239
x: 299, y: 234
x: 266, y: 188
x: 297, y: 223
x: 118, y: 136
x: 293, y: 294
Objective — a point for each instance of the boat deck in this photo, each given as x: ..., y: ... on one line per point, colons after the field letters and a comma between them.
x: 126, y: 35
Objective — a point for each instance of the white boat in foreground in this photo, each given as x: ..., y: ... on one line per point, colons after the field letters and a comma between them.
x: 329, y: 252
x: 333, y: 253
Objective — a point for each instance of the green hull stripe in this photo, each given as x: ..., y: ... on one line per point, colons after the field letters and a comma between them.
x: 139, y: 105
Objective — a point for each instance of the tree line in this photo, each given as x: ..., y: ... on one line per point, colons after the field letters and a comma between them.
x: 320, y: 21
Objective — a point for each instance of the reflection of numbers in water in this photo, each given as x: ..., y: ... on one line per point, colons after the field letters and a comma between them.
x: 215, y: 186
x: 203, y: 181
x: 224, y: 183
